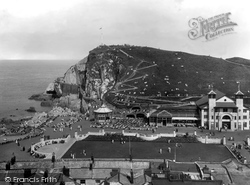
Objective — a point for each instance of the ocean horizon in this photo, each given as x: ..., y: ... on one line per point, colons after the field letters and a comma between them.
x: 20, y: 79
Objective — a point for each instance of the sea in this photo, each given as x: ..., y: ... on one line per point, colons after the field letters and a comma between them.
x: 19, y: 79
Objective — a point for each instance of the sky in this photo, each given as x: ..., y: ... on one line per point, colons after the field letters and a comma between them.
x: 69, y: 29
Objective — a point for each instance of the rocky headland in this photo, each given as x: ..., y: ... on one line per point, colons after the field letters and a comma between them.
x: 125, y: 76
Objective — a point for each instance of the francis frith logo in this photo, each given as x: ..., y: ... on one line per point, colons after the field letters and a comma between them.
x: 211, y: 28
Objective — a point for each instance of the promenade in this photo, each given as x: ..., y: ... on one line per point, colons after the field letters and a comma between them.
x: 60, y: 149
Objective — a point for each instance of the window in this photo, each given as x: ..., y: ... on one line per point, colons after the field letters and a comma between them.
x: 244, y: 110
x: 217, y: 117
x: 235, y: 117
x: 245, y: 124
x: 244, y: 117
x: 159, y: 120
x: 212, y: 117
x: 205, y: 116
x: 239, y: 117
x: 82, y: 182
x: 224, y: 109
x: 152, y: 119
x: 97, y: 181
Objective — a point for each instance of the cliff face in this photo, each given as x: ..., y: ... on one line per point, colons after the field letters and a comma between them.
x: 129, y: 74
x: 92, y: 77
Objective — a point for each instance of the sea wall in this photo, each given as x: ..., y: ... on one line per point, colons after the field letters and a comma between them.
x: 207, y: 140
x: 146, y: 137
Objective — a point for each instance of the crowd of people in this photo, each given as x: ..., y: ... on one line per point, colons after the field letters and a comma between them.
x: 67, y: 123
x: 63, y: 112
x: 125, y: 124
x: 235, y: 148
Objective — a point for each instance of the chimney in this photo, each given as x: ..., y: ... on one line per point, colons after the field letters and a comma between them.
x: 90, y: 166
x: 65, y: 171
x: 131, y: 176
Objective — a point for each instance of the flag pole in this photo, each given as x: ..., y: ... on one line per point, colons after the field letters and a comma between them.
x: 175, y: 152
x: 101, y: 35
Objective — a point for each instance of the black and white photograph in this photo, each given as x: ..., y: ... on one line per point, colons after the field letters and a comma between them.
x: 124, y: 92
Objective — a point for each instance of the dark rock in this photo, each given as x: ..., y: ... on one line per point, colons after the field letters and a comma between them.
x: 6, y: 120
x: 41, y: 97
x: 31, y: 109
x: 48, y: 103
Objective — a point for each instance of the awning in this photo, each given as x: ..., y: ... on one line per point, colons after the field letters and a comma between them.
x: 184, y: 118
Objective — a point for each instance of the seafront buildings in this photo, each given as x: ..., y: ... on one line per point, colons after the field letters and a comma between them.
x: 217, y: 111
x: 214, y: 111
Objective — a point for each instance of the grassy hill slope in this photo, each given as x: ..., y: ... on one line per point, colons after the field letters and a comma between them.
x: 145, y: 71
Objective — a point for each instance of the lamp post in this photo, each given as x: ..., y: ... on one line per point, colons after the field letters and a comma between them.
x: 129, y: 149
x: 175, y: 152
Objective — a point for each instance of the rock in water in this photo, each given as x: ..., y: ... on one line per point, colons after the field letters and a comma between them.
x: 31, y: 109
x: 41, y: 97
x: 47, y: 103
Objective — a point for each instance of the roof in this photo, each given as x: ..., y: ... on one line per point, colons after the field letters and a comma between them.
x: 225, y: 105
x: 85, y: 173
x: 185, y: 167
x: 164, y: 181
x: 212, y: 92
x: 170, y: 113
x: 204, y: 99
x: 239, y: 93
x: 174, y: 167
x: 123, y: 177
x: 161, y: 113
x: 103, y: 109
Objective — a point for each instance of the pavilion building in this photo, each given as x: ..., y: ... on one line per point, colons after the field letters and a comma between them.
x: 178, y: 116
x: 103, y: 114
x: 218, y: 111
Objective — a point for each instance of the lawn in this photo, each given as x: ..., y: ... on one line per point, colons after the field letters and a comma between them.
x: 150, y: 150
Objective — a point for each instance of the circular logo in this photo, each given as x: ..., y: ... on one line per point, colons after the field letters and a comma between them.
x: 7, y: 179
